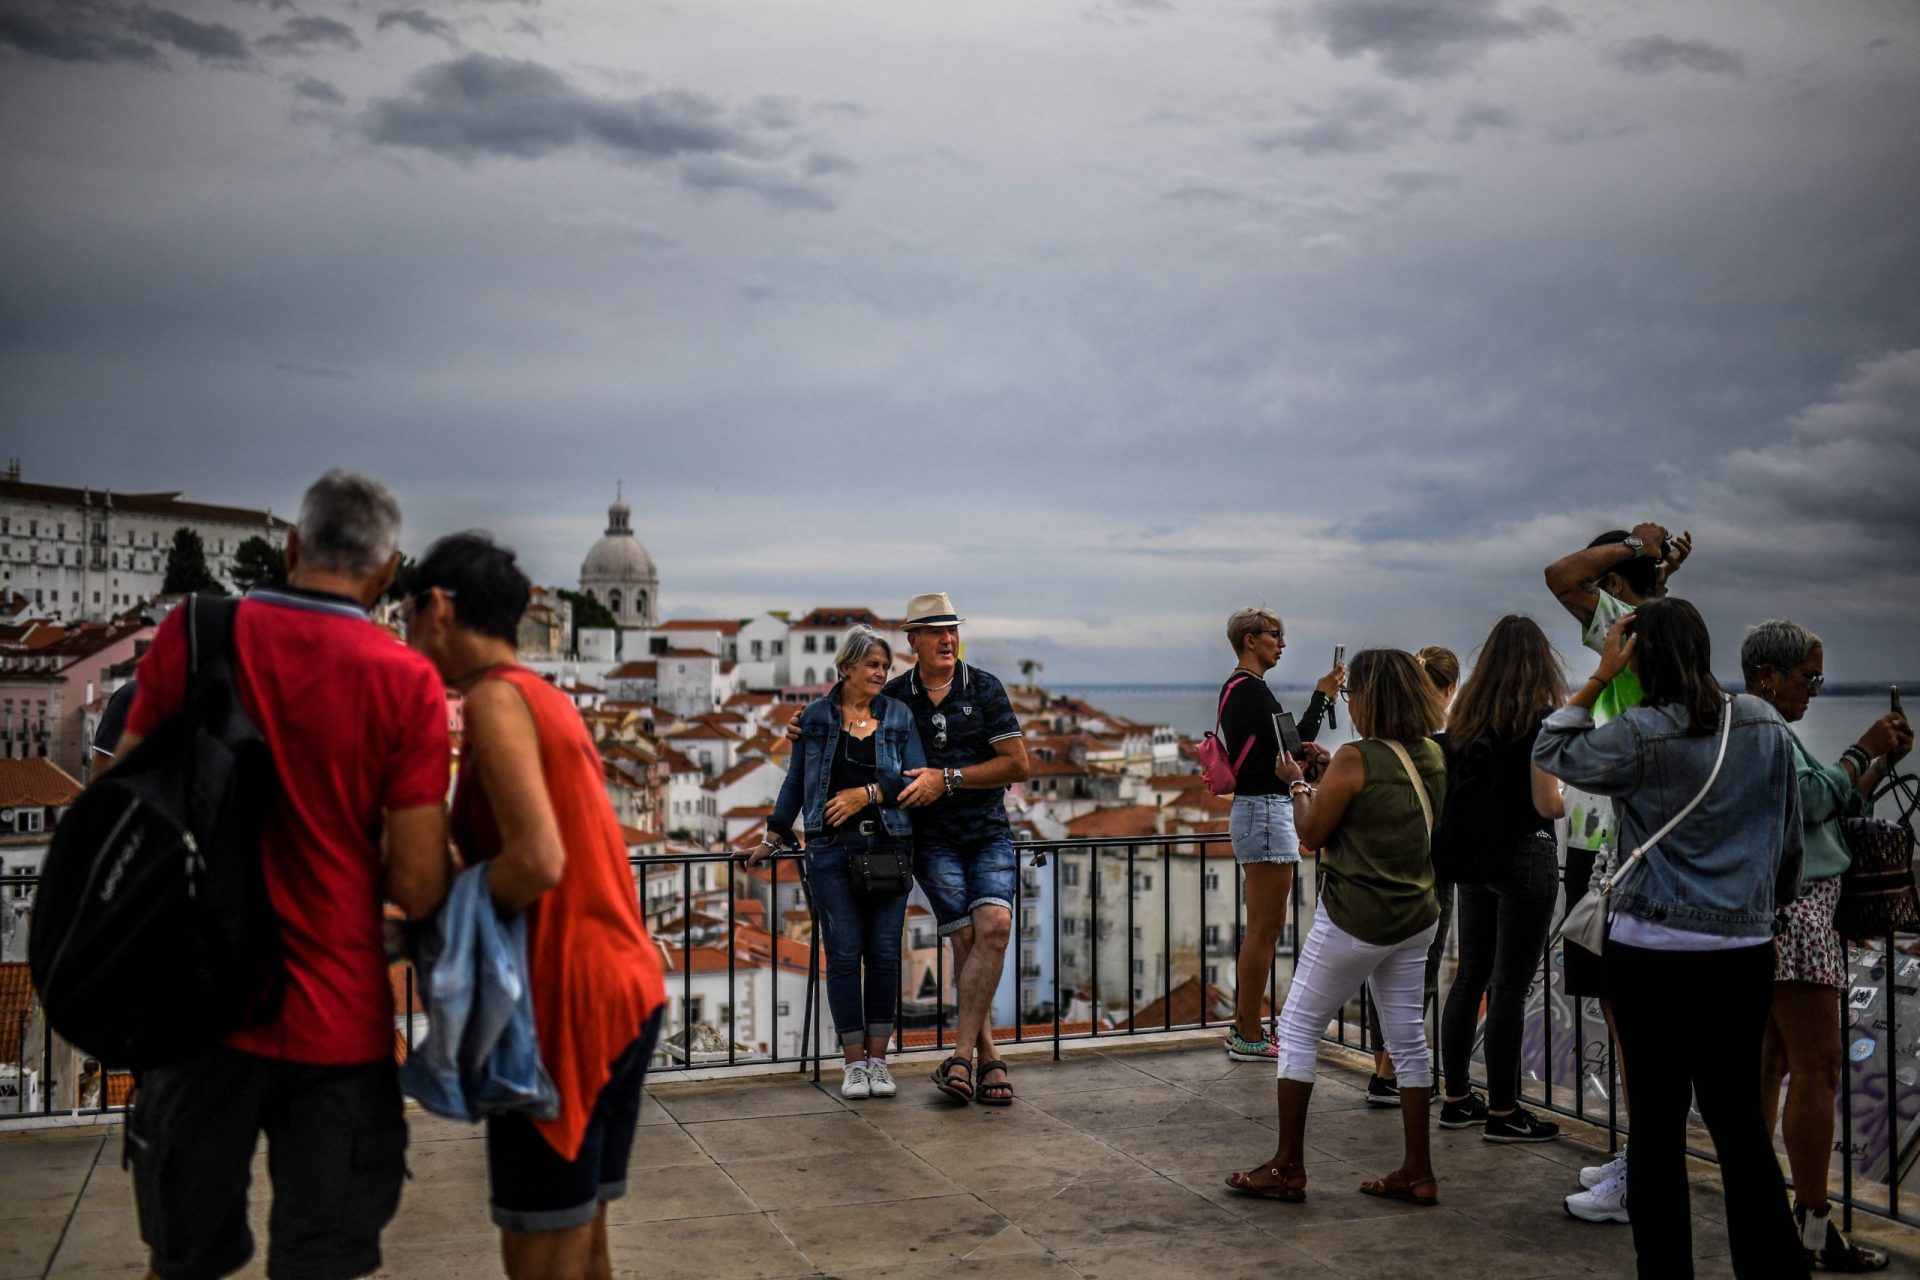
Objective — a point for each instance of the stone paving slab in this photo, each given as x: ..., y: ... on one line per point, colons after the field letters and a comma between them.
x: 1110, y: 1166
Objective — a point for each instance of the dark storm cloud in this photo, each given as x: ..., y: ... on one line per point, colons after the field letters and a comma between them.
x: 73, y: 32
x: 723, y: 173
x: 1475, y: 116
x: 483, y: 106
x: 306, y: 33
x: 1357, y: 121
x: 208, y: 41
x: 314, y: 89
x: 1427, y: 39
x: 418, y: 20
x: 1656, y: 55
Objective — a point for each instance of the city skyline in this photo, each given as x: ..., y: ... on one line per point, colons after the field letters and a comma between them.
x: 1105, y: 319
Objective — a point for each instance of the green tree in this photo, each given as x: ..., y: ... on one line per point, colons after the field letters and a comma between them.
x: 257, y: 562
x: 187, y: 566
x: 587, y: 612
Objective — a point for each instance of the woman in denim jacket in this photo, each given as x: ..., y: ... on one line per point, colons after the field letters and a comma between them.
x: 1689, y: 953
x: 844, y: 784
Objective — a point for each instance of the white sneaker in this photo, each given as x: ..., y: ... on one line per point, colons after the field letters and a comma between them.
x: 1595, y: 1174
x: 879, y: 1080
x: 856, y: 1082
x: 1604, y: 1203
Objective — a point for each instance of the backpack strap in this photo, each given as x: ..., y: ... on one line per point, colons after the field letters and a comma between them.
x: 1246, y: 746
x: 209, y: 641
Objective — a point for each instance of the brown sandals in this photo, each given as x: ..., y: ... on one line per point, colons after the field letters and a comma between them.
x: 1283, y: 1187
x: 1396, y: 1187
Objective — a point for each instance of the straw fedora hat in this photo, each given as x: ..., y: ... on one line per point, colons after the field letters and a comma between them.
x: 931, y: 610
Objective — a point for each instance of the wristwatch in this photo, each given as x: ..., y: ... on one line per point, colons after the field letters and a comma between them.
x: 1633, y: 544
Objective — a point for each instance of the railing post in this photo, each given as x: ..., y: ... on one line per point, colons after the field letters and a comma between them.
x: 1057, y: 859
x: 1846, y: 1113
x: 1019, y: 951
x: 1893, y: 1084
x: 1093, y: 935
x: 1132, y: 884
x: 1203, y: 934
x: 686, y: 961
x: 1166, y: 939
x: 733, y: 992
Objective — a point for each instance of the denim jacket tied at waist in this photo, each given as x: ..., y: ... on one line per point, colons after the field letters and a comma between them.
x: 808, y: 787
x: 1731, y: 861
x: 479, y: 1056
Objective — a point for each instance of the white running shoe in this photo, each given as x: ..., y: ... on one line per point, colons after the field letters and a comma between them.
x: 1604, y: 1203
x: 879, y: 1080
x: 856, y: 1082
x: 1595, y: 1174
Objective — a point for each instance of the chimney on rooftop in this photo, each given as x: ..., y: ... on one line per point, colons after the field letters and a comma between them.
x: 13, y: 468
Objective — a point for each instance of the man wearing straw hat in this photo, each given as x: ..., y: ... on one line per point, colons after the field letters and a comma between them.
x: 963, y: 848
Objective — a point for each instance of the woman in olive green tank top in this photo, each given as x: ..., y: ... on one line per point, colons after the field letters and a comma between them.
x: 1372, y: 819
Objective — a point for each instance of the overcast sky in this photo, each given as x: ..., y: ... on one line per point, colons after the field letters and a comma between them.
x: 1106, y: 316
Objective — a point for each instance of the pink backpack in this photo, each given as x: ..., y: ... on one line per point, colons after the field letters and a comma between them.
x: 1222, y: 774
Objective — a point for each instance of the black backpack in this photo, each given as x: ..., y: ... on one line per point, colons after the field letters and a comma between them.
x: 152, y: 933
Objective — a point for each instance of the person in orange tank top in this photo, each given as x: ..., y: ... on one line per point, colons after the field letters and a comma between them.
x: 531, y: 804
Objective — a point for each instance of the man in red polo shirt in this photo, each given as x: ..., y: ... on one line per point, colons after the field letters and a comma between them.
x: 358, y: 728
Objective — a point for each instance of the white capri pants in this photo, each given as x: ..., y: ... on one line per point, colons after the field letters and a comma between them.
x: 1333, y: 965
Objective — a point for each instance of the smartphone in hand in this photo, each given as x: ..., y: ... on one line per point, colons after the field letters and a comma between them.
x: 1893, y: 692
x: 1287, y: 733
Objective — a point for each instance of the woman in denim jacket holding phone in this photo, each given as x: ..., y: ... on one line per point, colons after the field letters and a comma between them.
x: 1689, y: 954
x: 844, y: 784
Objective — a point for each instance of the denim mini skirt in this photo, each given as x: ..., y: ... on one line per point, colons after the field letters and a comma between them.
x: 1261, y: 828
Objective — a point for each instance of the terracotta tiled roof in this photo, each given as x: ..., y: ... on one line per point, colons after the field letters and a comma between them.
x: 842, y: 616
x: 702, y: 733
x: 691, y: 653
x: 1129, y: 820
x: 634, y: 671
x: 781, y: 714
x: 749, y: 811
x: 634, y: 835
x: 926, y: 1039
x: 720, y: 626
x: 739, y: 771
x: 16, y: 1007
x: 35, y: 782
x: 1187, y: 1002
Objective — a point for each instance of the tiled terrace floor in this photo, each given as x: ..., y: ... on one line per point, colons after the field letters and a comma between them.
x: 1109, y: 1166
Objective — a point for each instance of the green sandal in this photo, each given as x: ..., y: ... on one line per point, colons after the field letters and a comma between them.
x: 960, y: 1090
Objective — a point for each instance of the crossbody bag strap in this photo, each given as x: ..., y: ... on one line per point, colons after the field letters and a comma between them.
x: 1419, y: 787
x: 1726, y: 731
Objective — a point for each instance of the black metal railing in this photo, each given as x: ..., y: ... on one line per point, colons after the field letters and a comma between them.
x: 1120, y: 945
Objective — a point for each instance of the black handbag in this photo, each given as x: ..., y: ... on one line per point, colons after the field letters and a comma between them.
x: 1877, y: 895
x: 881, y: 873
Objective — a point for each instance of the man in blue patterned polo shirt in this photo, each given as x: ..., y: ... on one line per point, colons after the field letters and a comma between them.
x: 963, y: 847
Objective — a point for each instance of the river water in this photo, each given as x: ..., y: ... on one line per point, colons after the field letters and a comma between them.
x: 1832, y: 722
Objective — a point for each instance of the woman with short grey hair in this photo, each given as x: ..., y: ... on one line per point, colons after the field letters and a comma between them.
x: 1784, y: 665
x: 855, y: 749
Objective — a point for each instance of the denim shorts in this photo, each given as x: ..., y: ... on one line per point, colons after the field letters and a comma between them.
x: 534, y: 1189
x: 1261, y: 828
x: 957, y: 878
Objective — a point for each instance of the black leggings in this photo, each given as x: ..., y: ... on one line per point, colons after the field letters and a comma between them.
x: 1691, y: 1023
x: 1503, y: 926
